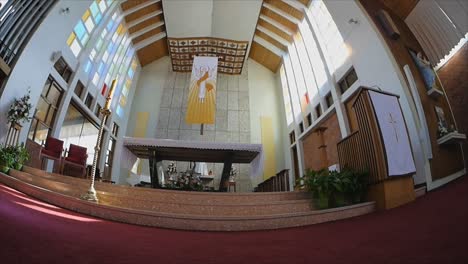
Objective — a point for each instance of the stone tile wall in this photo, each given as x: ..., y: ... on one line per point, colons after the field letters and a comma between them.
x: 232, y: 122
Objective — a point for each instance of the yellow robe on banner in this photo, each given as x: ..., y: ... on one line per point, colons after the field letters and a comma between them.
x: 201, y: 110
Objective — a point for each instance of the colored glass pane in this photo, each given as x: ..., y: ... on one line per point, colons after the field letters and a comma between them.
x: 109, y: 25
x: 119, y: 111
x: 86, y: 15
x: 94, y: 9
x: 98, y: 18
x: 88, y: 66
x: 80, y: 30
x: 75, y: 47
x: 89, y: 25
x: 71, y: 38
x: 102, y: 6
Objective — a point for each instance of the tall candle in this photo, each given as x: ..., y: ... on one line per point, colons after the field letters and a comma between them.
x: 110, y: 95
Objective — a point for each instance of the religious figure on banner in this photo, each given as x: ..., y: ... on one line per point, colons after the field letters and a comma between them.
x: 202, y: 94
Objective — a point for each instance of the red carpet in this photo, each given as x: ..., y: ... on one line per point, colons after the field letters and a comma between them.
x: 433, y: 229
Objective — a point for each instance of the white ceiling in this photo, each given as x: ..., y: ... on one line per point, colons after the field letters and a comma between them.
x: 229, y: 19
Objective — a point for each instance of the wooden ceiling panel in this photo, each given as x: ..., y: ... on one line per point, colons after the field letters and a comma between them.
x: 153, y: 52
x: 286, y: 8
x: 271, y: 40
x: 143, y: 12
x: 275, y: 30
x: 305, y: 2
x: 149, y: 34
x: 265, y: 57
x: 279, y: 18
x: 146, y: 23
x: 129, y: 4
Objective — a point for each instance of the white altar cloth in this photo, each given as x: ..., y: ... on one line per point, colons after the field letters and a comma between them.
x: 128, y: 159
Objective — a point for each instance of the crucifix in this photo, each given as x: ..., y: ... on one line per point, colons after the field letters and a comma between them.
x: 393, y: 122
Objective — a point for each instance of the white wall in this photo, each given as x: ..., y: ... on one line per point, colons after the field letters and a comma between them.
x: 375, y: 67
x: 159, y: 90
x: 34, y: 65
x: 266, y: 100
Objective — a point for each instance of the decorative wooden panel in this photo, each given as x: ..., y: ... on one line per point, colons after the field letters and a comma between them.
x: 231, y: 53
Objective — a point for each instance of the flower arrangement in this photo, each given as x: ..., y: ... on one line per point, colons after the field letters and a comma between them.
x: 19, y: 110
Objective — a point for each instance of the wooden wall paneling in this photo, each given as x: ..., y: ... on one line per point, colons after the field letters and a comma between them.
x: 153, y: 52
x: 279, y: 18
x: 143, y: 12
x: 271, y: 40
x: 264, y: 56
x: 146, y: 23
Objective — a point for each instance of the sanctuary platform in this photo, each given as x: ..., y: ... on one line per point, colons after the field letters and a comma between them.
x: 179, y: 209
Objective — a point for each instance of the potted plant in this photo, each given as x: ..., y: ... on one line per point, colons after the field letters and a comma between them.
x: 7, y: 159
x: 354, y: 185
x: 21, y: 156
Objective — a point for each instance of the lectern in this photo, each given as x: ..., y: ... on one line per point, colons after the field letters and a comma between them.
x: 382, y: 147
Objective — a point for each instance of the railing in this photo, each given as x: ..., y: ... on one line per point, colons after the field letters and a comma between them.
x: 6, y: 54
x: 277, y: 183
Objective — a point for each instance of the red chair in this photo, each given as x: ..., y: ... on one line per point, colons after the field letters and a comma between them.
x: 51, y: 150
x: 77, y: 157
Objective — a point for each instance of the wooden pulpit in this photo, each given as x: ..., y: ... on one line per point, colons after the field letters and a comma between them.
x: 382, y: 147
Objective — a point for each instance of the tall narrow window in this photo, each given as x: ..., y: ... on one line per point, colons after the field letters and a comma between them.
x: 46, y: 111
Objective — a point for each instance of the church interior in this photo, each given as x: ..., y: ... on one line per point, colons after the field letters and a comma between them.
x: 270, y: 131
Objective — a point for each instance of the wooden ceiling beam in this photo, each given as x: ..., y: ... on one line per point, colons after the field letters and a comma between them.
x: 150, y: 33
x: 264, y: 56
x: 129, y: 4
x: 153, y: 51
x: 143, y: 12
x: 146, y: 23
x: 285, y: 7
x: 279, y: 18
x: 268, y: 25
x: 139, y: 7
x: 270, y: 39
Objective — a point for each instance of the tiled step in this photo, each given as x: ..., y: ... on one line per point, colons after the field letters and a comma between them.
x: 227, y: 207
x: 176, y: 220
x: 176, y: 196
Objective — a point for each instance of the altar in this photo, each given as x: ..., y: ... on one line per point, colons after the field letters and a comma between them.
x: 156, y: 150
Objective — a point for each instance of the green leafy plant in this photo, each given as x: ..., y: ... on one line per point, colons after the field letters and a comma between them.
x: 332, y: 188
x: 7, y: 159
x: 21, y: 156
x: 13, y: 157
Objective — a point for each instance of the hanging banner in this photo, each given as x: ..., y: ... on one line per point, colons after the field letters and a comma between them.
x: 395, y: 137
x: 201, y: 105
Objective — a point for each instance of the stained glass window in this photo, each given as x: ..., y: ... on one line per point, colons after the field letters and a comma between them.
x: 84, y: 28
